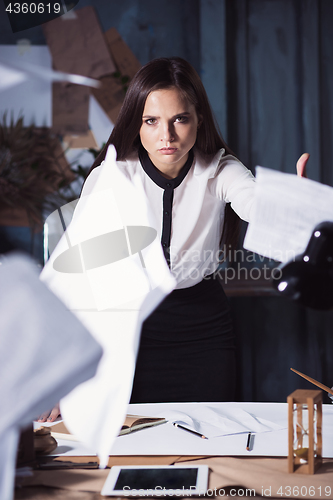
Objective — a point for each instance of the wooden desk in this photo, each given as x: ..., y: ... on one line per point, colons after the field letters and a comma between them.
x: 267, y: 477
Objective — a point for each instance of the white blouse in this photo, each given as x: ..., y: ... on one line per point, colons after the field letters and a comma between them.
x: 190, y: 209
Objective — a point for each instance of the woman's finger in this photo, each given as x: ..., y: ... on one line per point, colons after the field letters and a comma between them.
x: 54, y: 413
x: 50, y: 415
x: 301, y: 165
x: 43, y: 416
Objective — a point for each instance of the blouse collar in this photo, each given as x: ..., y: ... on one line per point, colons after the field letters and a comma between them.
x: 157, y: 177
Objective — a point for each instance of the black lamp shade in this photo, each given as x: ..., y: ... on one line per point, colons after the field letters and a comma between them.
x: 309, y: 278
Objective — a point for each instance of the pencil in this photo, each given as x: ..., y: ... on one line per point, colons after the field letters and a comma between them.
x: 189, y: 430
x: 248, y: 441
x: 313, y: 381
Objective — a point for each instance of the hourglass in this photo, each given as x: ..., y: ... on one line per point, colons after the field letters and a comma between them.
x: 304, y: 431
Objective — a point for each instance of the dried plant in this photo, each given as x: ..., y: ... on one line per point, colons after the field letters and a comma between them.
x: 33, y: 167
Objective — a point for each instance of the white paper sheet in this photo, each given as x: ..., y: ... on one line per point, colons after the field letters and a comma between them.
x: 8, y: 451
x: 214, y: 422
x: 175, y: 441
x: 111, y: 299
x: 44, y: 350
x: 285, y: 212
x: 44, y: 353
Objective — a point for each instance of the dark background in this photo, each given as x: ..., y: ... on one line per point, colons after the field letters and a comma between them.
x: 267, y: 66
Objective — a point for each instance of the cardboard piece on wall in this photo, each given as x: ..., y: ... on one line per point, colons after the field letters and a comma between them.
x: 78, y: 45
x: 110, y: 96
x: 70, y: 108
x: 122, y: 55
x: 101, y: 61
x: 82, y: 141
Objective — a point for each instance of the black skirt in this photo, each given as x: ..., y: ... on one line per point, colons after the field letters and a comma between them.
x: 187, y: 348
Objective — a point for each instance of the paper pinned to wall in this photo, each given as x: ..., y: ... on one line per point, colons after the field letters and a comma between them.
x: 285, y: 212
x: 110, y: 96
x: 10, y: 77
x: 78, y: 45
x: 122, y: 55
x: 112, y: 91
x: 26, y: 90
x: 31, y: 98
x: 70, y: 108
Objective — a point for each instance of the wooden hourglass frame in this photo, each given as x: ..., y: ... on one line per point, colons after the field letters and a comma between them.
x: 304, y: 431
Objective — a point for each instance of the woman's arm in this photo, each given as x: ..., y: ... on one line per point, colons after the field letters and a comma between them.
x: 234, y: 183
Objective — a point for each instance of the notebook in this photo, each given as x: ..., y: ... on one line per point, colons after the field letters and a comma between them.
x: 136, y: 422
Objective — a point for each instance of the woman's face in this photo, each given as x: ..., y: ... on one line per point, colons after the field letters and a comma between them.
x: 168, y: 130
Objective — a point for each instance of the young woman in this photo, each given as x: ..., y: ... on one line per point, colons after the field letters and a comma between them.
x: 166, y: 133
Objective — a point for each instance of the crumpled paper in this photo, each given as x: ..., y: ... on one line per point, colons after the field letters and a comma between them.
x: 115, y: 275
x: 44, y: 353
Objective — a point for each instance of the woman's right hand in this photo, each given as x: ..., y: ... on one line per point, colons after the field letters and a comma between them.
x: 50, y: 415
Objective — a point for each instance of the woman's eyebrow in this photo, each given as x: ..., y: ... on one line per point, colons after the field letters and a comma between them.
x: 183, y: 113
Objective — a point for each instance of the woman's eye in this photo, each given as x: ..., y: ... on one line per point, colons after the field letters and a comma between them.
x: 151, y: 121
x: 181, y: 119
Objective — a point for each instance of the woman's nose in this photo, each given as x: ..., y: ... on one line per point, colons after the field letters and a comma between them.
x: 167, y: 133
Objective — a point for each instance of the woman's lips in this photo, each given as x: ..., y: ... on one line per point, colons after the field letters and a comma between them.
x: 167, y: 151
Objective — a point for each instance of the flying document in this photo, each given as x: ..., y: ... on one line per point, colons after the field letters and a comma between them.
x: 286, y: 210
x: 109, y: 269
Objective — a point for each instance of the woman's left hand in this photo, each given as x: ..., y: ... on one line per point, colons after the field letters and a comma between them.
x: 301, y: 165
x: 51, y: 415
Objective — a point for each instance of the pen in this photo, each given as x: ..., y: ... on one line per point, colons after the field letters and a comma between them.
x: 189, y: 430
x: 248, y: 443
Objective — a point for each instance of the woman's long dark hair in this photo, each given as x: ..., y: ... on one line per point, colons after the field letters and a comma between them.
x: 160, y: 74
